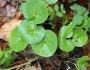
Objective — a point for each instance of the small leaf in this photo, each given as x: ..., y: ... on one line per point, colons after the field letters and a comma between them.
x: 50, y: 1
x: 51, y: 13
x: 61, y: 7
x: 16, y: 42
x: 77, y: 8
x: 35, y: 10
x: 59, y: 14
x: 65, y: 42
x: 77, y: 20
x: 81, y: 63
x: 2, y: 60
x: 56, y: 7
x: 30, y: 32
x: 87, y: 25
x: 65, y: 21
x: 47, y: 46
x: 79, y: 37
x: 1, y: 53
x: 63, y: 11
x: 86, y: 14
x: 7, y: 50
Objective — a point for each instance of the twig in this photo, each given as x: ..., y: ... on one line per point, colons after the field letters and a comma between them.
x: 29, y: 61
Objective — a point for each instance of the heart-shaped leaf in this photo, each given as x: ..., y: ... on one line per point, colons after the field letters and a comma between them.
x: 47, y: 46
x: 65, y: 42
x: 31, y: 32
x: 80, y: 37
x: 50, y: 1
x: 35, y: 10
x: 16, y: 42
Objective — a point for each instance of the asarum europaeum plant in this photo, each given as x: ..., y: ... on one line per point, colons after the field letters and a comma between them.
x: 45, y: 42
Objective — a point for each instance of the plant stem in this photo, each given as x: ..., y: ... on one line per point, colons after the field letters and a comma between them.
x: 29, y: 61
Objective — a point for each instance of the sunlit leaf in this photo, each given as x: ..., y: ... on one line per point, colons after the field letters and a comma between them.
x: 30, y: 32
x: 35, y: 10
x: 65, y: 42
x: 79, y: 37
x: 47, y: 46
x: 16, y: 42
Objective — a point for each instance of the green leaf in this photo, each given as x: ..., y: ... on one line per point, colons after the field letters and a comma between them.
x: 30, y: 32
x: 1, y: 53
x: 65, y: 42
x: 7, y: 50
x: 87, y: 25
x: 79, y: 37
x: 63, y: 11
x: 9, y: 57
x: 47, y: 46
x: 61, y: 7
x: 51, y: 13
x: 65, y: 21
x: 2, y: 60
x: 86, y: 14
x: 77, y: 20
x: 81, y: 63
x: 16, y: 42
x: 77, y: 8
x: 35, y: 10
x: 50, y: 1
x: 56, y: 7
x: 84, y: 22
x: 59, y: 14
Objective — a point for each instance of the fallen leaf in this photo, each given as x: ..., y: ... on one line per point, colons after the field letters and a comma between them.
x: 28, y: 67
x: 6, y: 29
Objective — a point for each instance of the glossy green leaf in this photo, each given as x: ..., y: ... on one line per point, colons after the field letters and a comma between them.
x: 16, y: 42
x: 50, y: 1
x: 35, y: 10
x: 56, y: 7
x: 77, y: 8
x: 77, y: 20
x: 79, y: 37
x: 81, y: 63
x: 47, y: 46
x: 65, y: 42
x: 59, y: 14
x: 31, y: 32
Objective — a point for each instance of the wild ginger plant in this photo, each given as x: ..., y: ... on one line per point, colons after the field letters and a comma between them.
x: 45, y: 42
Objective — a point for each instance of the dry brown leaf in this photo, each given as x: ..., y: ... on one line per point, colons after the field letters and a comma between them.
x: 6, y: 29
x: 33, y: 67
